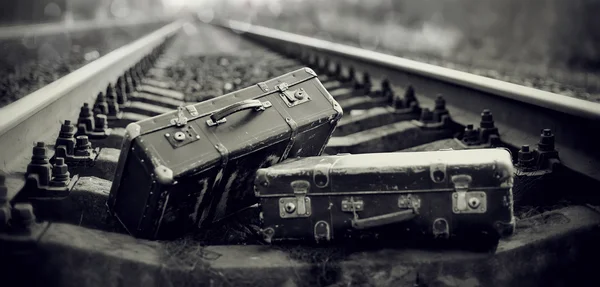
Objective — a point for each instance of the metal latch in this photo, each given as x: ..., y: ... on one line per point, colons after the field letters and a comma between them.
x: 464, y: 201
x: 180, y: 120
x: 292, y: 97
x: 298, y: 206
x: 351, y: 205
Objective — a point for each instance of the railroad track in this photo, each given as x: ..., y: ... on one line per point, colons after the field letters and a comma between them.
x: 390, y: 105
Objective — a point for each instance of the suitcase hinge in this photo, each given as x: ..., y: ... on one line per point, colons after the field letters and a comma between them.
x: 298, y: 206
x: 282, y: 87
x: 352, y: 205
x: 464, y: 201
x: 263, y: 87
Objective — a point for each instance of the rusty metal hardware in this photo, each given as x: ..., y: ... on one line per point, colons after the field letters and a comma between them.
x: 440, y: 109
x: 465, y: 201
x: 485, y: 136
x: 321, y: 174
x: 192, y: 110
x: 441, y: 228
x: 218, y: 117
x: 409, y: 201
x: 268, y: 234
x: 298, y: 206
x: 94, y: 126
x: 180, y: 120
x: 43, y: 180
x: 437, y: 172
x: 75, y: 151
x: 282, y: 87
x: 183, y: 136
x: 322, y: 231
x: 263, y: 87
x: 292, y: 97
x: 351, y: 205
x: 469, y: 202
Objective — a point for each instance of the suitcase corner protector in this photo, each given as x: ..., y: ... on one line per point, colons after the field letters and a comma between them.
x: 132, y: 131
x: 164, y: 175
x: 310, y: 71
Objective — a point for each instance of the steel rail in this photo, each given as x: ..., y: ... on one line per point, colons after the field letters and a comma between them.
x: 519, y: 112
x: 37, y: 116
x: 18, y: 31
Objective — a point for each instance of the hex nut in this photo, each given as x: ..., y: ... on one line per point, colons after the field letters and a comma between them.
x: 23, y: 213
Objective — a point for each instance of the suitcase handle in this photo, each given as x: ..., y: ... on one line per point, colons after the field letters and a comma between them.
x: 218, y: 117
x: 395, y: 217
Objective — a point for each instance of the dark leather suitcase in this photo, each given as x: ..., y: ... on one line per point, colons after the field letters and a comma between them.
x: 435, y: 194
x: 194, y: 166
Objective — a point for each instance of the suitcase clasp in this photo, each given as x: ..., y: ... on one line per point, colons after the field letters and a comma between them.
x: 180, y: 120
x: 298, y: 206
x: 292, y: 97
x: 464, y: 201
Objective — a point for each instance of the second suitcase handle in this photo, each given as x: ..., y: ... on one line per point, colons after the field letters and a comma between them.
x: 380, y: 220
x: 218, y: 117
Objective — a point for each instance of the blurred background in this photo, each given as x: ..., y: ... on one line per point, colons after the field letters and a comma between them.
x: 533, y: 38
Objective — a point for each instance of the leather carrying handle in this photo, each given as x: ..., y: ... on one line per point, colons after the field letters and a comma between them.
x: 395, y: 217
x: 219, y: 116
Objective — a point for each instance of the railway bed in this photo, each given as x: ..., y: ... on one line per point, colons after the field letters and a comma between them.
x: 390, y: 105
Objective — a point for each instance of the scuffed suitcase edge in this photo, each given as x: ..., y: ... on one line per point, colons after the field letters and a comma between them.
x: 503, y: 167
x: 132, y: 131
x: 163, y: 174
x: 215, y: 101
x: 334, y: 103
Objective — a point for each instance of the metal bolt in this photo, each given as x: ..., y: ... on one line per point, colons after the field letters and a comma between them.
x: 525, y: 156
x: 426, y: 115
x: 487, y: 120
x: 440, y: 103
x: 100, y: 122
x: 167, y: 134
x: 22, y: 214
x: 281, y: 200
x: 60, y: 171
x: 83, y: 143
x: 455, y: 195
x: 546, y: 142
x: 39, y: 153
